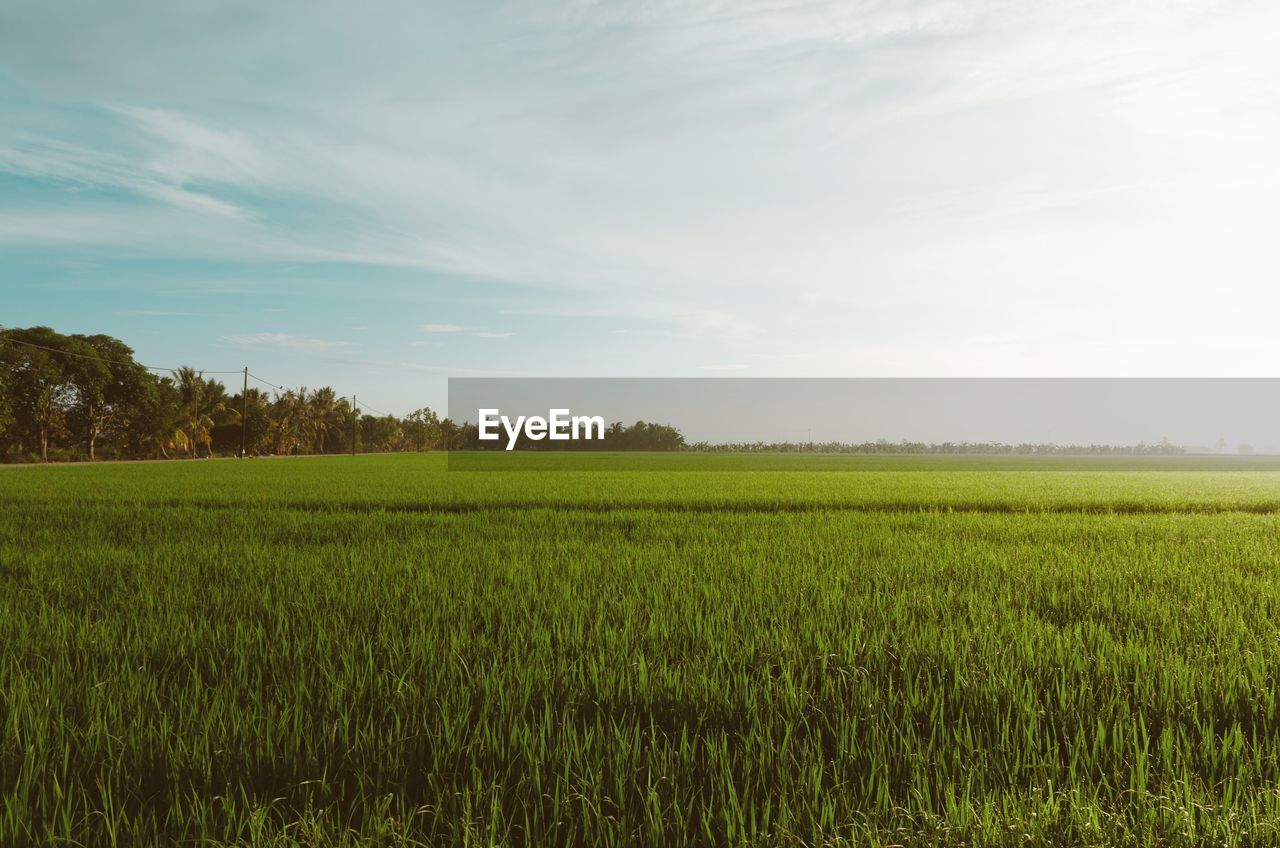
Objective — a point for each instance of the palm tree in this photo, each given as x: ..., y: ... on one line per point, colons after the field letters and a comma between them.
x: 304, y: 425
x: 202, y: 403
x: 286, y: 422
x: 326, y: 417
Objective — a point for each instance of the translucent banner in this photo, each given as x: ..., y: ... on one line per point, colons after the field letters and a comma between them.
x: 643, y: 423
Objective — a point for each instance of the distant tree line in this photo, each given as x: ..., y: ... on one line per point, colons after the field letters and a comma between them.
x: 640, y: 436
x: 67, y: 397
x: 882, y: 446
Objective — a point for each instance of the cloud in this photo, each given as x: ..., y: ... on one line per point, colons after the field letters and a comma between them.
x: 877, y: 181
x: 193, y: 201
x: 185, y: 150
x: 449, y: 371
x: 477, y: 332
x: 161, y: 313
x: 286, y: 341
x: 84, y: 167
x: 719, y: 324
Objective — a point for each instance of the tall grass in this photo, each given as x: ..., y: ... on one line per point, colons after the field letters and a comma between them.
x: 376, y: 651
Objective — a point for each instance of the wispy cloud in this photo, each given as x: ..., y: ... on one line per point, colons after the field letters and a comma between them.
x: 880, y: 183
x: 476, y: 332
x: 187, y: 151
x: 161, y: 313
x: 79, y: 166
x: 451, y: 371
x: 287, y: 341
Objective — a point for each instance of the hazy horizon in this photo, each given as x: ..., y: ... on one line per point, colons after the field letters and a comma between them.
x: 1122, y: 412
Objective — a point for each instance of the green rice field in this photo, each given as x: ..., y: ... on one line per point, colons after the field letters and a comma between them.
x: 719, y: 650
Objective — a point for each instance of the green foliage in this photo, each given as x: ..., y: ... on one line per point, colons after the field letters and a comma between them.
x: 109, y: 387
x: 38, y: 380
x: 60, y: 395
x: 375, y: 651
x: 6, y: 405
x: 641, y: 436
x: 422, y: 428
x: 381, y: 433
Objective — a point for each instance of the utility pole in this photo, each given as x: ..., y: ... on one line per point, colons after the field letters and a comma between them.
x: 355, y: 423
x: 244, y: 410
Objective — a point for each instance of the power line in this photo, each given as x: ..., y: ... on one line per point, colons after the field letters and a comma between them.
x: 268, y: 383
x: 253, y: 376
x: 102, y: 358
x: 8, y: 338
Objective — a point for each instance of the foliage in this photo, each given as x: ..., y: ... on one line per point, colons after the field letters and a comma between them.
x: 38, y: 379
x: 640, y: 436
x: 907, y: 448
x: 67, y: 393
x: 64, y: 396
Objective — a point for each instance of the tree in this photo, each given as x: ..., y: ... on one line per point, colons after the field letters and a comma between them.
x: 381, y: 433
x: 108, y: 386
x: 448, y: 439
x: 287, y: 422
x: 6, y: 411
x: 37, y: 377
x: 166, y: 432
x: 59, y: 392
x: 422, y: 428
x: 326, y: 419
x: 202, y: 403
x: 149, y: 423
x: 256, y: 424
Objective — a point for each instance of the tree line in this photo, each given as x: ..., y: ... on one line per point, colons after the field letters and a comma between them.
x: 69, y: 397
x: 85, y: 397
x: 640, y: 436
x: 66, y: 397
x: 882, y: 446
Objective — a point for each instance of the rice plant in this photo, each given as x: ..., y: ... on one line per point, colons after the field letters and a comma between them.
x: 378, y: 651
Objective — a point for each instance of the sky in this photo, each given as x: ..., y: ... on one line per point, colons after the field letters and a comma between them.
x: 379, y: 196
